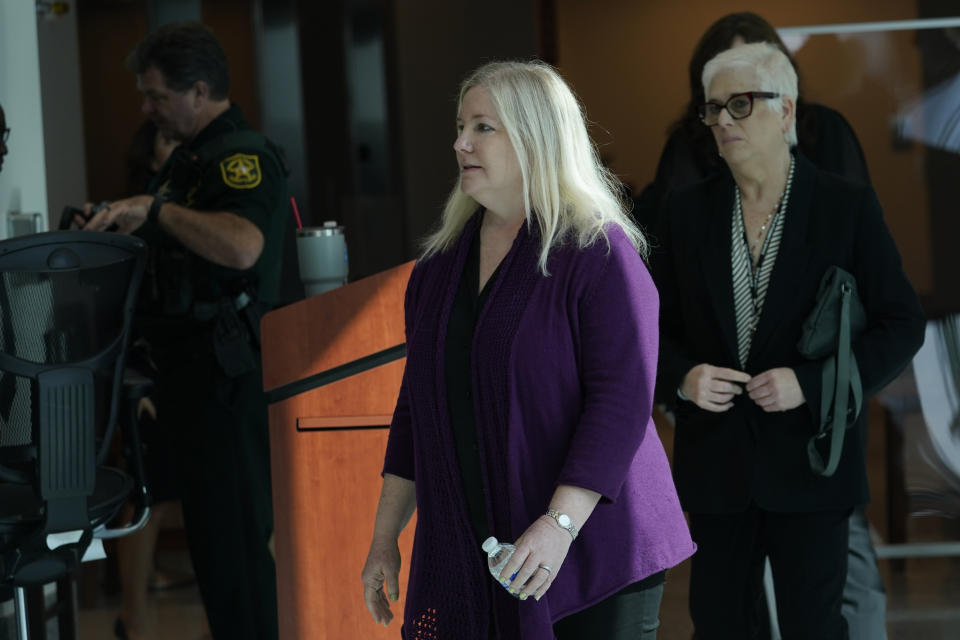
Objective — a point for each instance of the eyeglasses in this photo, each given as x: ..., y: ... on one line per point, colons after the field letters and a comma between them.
x: 739, y: 106
x: 5, y: 135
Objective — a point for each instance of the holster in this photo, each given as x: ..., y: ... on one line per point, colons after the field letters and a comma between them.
x: 233, y: 342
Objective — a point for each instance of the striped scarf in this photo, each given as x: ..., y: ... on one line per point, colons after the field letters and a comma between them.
x: 749, y: 304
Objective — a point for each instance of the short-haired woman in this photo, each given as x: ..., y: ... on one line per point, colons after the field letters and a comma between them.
x: 743, y: 256
x: 690, y: 155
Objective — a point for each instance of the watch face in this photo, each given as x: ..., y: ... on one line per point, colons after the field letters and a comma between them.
x: 563, y: 520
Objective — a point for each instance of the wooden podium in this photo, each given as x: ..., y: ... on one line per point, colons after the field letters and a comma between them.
x: 332, y: 366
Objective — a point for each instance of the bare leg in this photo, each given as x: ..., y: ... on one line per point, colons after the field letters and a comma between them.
x: 135, y: 559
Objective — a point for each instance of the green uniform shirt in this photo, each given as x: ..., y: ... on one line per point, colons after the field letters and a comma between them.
x: 227, y: 167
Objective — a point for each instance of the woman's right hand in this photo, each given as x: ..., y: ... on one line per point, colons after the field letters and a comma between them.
x: 713, y: 388
x: 382, y: 566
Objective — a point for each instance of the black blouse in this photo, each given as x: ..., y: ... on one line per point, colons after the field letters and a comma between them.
x: 463, y: 319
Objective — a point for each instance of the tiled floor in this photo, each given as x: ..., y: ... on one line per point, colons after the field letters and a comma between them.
x: 174, y: 613
x: 923, y: 593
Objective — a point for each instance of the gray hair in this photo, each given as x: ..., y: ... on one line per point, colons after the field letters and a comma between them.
x: 772, y: 68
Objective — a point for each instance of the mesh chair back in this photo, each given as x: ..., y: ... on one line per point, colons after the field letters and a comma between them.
x: 66, y: 305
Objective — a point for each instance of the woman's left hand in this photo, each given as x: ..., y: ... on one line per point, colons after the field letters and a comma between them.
x: 540, y: 553
x: 776, y: 390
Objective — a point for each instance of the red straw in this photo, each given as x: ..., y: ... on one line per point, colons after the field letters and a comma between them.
x: 296, y: 212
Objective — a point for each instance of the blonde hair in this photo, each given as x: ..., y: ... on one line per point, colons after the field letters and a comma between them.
x: 769, y: 64
x: 566, y: 190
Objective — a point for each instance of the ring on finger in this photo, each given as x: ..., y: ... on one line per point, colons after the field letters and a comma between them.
x: 546, y: 568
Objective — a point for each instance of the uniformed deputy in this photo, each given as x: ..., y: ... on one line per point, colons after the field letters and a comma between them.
x: 214, y: 222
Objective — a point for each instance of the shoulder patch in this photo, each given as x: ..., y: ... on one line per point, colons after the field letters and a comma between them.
x: 241, y: 171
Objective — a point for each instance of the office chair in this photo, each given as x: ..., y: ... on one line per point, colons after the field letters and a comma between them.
x: 66, y: 306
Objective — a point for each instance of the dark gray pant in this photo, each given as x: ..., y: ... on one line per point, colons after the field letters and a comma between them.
x: 629, y: 614
x: 223, y: 463
x: 864, y: 598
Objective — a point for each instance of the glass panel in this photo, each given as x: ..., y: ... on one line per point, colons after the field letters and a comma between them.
x: 899, y: 87
x: 900, y: 90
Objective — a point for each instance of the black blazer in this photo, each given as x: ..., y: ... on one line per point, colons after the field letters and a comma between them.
x: 725, y: 461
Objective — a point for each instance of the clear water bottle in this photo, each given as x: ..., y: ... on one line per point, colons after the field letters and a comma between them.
x: 498, y: 555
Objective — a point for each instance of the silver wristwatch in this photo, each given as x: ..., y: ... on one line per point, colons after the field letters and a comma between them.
x: 564, y: 521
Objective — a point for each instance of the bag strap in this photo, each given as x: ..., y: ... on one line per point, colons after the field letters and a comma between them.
x: 841, y: 377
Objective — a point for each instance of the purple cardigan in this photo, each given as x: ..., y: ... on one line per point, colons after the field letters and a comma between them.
x: 563, y: 377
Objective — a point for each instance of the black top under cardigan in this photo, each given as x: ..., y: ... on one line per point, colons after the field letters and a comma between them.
x: 463, y: 319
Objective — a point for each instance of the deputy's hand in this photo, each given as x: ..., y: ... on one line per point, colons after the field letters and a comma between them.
x: 713, y: 388
x: 383, y: 565
x: 543, y: 544
x: 776, y: 390
x: 128, y: 214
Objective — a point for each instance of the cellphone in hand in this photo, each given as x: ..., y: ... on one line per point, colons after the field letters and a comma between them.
x: 69, y: 214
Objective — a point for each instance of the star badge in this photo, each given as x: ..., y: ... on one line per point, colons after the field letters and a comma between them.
x: 241, y: 171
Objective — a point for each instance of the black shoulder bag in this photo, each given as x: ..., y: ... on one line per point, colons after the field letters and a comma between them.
x: 837, y: 319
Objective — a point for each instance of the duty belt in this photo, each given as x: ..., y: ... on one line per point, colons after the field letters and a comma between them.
x: 206, y: 311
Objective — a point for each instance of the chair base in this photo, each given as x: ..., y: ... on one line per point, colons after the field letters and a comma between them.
x: 32, y: 613
x: 20, y: 612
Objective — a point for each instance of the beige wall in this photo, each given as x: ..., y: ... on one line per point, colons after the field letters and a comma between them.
x: 438, y: 42
x: 890, y: 77
x: 23, y: 180
x: 627, y: 60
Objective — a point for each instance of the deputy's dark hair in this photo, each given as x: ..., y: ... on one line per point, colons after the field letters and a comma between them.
x: 184, y: 52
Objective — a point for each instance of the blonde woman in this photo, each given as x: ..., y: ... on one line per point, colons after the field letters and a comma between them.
x: 525, y: 407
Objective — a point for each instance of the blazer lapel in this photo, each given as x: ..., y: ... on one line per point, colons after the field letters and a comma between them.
x: 791, y: 262
x: 716, y: 262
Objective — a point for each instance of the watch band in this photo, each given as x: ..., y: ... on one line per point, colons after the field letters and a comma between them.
x: 153, y: 213
x: 564, y: 522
